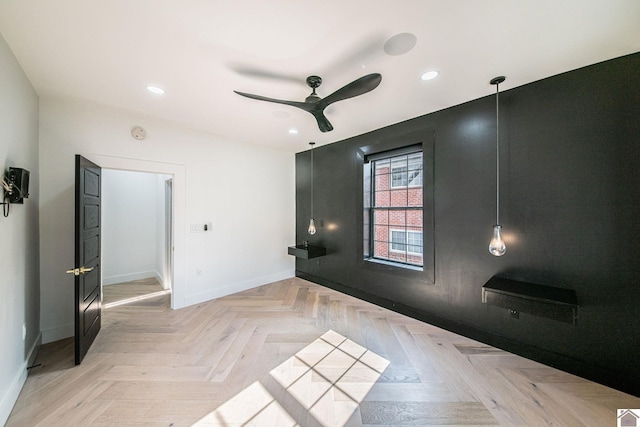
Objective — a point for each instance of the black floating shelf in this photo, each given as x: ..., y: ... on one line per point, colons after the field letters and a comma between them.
x: 539, y: 300
x: 307, y: 251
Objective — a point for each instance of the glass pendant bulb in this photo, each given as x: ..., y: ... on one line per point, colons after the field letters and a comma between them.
x: 312, y: 227
x: 497, y: 246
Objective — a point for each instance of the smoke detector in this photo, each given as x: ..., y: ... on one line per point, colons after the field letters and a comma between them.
x: 138, y: 133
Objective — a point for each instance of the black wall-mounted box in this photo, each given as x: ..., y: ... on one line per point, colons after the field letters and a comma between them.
x: 540, y: 300
x: 307, y: 251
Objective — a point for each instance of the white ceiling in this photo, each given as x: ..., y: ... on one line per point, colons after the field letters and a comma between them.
x: 199, y: 51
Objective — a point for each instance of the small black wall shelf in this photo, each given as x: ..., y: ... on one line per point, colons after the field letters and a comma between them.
x: 539, y: 300
x: 307, y: 251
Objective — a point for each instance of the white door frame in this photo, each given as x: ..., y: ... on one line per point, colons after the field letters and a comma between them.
x: 168, y: 234
x: 178, y: 172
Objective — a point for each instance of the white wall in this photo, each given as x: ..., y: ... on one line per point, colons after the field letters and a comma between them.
x: 19, y: 251
x: 246, y: 191
x: 132, y: 226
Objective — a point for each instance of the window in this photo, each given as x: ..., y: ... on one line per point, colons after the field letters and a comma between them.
x: 394, y: 207
x: 406, y: 241
x: 403, y: 175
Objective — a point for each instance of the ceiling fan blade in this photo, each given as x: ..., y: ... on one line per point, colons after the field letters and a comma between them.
x: 311, y: 107
x: 316, y: 106
x: 302, y: 105
x: 323, y: 122
x: 357, y: 87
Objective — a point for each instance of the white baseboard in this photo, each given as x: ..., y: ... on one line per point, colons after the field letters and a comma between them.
x: 237, y: 287
x: 121, y: 278
x: 58, y: 333
x: 160, y: 279
x: 11, y: 396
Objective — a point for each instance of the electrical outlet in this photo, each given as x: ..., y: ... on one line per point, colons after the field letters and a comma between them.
x: 24, y: 332
x: 514, y: 313
x: 198, y: 272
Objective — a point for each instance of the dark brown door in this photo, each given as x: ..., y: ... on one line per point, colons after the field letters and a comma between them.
x: 88, y: 298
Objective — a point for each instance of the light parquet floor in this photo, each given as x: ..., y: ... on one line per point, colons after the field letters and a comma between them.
x: 136, y: 289
x: 295, y: 353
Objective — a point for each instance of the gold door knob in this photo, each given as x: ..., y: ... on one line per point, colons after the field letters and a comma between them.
x: 79, y: 271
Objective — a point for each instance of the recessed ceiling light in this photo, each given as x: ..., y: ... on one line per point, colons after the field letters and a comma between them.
x: 293, y: 131
x: 429, y: 75
x: 155, y: 89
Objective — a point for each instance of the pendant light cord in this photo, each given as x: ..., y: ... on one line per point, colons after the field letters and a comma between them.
x: 496, y: 245
x: 497, y: 154
x: 312, y: 144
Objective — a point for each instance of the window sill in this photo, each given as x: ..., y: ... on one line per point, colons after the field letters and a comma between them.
x: 394, y: 264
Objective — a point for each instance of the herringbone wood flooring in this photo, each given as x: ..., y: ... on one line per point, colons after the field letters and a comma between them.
x: 295, y: 353
x: 136, y: 289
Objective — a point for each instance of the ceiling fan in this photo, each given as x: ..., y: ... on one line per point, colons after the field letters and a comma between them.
x: 316, y: 105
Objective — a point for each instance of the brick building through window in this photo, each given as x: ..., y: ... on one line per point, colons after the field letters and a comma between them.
x: 394, y: 207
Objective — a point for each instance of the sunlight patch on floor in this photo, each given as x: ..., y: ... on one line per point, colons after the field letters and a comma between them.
x: 328, y: 379
x: 138, y: 298
x: 253, y: 406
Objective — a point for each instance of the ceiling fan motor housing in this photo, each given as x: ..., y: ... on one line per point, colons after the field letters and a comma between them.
x: 314, y: 81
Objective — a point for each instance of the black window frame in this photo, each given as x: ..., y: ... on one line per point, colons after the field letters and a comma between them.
x: 373, y: 162
x: 367, y: 265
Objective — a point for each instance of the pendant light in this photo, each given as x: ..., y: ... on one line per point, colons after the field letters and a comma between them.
x: 497, y: 246
x: 312, y: 226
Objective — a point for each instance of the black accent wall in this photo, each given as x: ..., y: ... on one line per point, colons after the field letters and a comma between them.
x: 570, y: 211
